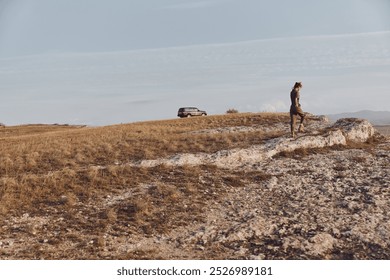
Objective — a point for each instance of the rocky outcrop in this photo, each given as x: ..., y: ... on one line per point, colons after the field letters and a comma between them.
x: 342, y: 132
x: 356, y: 130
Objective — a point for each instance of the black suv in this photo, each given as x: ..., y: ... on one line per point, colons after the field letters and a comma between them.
x: 186, y: 112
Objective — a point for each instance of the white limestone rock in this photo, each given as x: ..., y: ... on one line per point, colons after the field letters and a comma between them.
x: 356, y: 130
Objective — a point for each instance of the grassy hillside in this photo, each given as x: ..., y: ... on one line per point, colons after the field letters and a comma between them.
x: 42, y: 162
x: 59, y: 168
x: 74, y: 192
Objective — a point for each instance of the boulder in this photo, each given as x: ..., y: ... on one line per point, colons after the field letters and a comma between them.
x: 355, y: 130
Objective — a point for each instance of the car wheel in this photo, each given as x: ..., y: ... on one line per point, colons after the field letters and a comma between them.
x: 189, y: 116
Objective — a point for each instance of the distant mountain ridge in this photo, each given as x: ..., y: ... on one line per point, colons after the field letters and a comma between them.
x: 374, y: 117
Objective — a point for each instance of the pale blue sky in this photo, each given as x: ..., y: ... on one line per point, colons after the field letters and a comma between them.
x: 115, y: 61
x: 40, y: 26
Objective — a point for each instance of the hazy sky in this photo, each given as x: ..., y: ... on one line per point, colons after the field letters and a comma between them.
x: 111, y: 61
x: 40, y: 26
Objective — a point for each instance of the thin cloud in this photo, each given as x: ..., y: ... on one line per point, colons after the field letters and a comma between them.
x: 274, y: 106
x: 195, y: 4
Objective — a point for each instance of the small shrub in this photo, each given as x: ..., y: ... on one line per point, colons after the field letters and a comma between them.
x: 231, y: 111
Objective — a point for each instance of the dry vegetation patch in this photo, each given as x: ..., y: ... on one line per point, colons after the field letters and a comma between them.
x: 41, y: 163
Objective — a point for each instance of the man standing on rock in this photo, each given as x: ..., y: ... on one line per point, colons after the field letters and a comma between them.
x: 295, y: 109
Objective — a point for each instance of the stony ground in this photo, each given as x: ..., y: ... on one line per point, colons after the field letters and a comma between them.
x: 305, y: 203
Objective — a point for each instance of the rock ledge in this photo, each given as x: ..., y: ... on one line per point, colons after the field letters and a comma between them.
x: 343, y: 131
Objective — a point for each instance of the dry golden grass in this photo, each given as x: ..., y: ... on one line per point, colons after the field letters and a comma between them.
x: 41, y: 163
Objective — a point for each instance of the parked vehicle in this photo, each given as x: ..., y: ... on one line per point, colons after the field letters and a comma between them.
x: 186, y: 112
